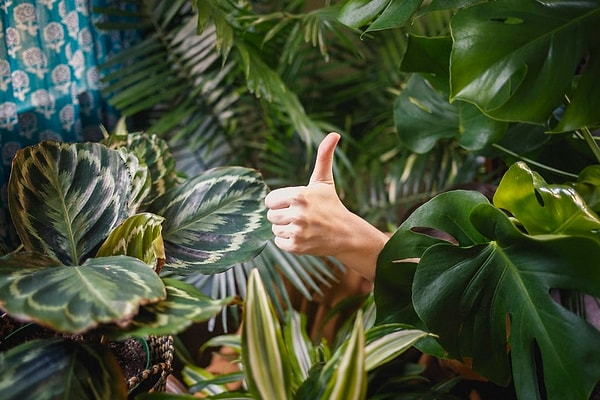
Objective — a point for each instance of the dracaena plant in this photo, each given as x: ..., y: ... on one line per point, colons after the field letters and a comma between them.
x: 279, y: 361
x: 517, y: 81
x: 105, y: 228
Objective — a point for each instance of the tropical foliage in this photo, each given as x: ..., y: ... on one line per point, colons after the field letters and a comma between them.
x: 98, y: 223
x: 280, y: 361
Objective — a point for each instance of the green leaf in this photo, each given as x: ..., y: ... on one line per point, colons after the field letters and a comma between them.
x: 543, y: 208
x: 183, y: 306
x: 486, y: 299
x: 397, y: 14
x: 357, y: 13
x: 443, y: 218
x: 75, y: 299
x: 214, y: 220
x: 65, y: 198
x: 588, y: 186
x: 346, y: 373
x: 60, y: 369
x: 264, y: 355
x: 386, y: 342
x: 424, y: 117
x: 505, y: 53
x: 154, y: 153
x: 138, y: 236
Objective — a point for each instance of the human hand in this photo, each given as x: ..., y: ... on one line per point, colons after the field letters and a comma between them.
x: 313, y: 220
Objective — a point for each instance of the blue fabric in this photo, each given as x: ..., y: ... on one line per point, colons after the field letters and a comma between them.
x: 49, y: 80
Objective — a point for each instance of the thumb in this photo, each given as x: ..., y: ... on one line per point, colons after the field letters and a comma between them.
x: 323, y: 171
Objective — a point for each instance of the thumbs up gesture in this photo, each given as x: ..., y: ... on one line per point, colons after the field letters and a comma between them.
x: 313, y: 220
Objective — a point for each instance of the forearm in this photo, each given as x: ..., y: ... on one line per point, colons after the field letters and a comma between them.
x: 360, y: 245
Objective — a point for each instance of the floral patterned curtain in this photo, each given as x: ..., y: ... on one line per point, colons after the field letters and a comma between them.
x: 49, y: 80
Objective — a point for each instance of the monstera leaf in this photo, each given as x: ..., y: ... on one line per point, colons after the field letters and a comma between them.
x: 486, y: 293
x: 214, y: 220
x: 506, y: 52
x: 60, y: 369
x: 542, y: 208
x: 75, y: 299
x: 66, y: 198
x: 422, y: 114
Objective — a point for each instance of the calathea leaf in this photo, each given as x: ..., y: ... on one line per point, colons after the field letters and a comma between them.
x: 65, y: 198
x: 491, y: 301
x: 183, y: 306
x: 214, y: 220
x: 74, y: 299
x: 543, y: 208
x: 138, y: 236
x: 60, y: 369
x: 154, y: 153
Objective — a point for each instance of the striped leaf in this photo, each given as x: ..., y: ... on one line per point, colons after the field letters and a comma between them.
x: 264, y: 355
x: 138, y: 236
x: 154, y: 153
x: 60, y: 369
x: 214, y: 220
x: 141, y: 181
x: 75, y: 299
x: 65, y: 198
x: 183, y: 306
x: 386, y: 342
x: 349, y: 378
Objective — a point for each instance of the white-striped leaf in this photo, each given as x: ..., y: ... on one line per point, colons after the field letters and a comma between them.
x: 138, y: 236
x: 45, y: 369
x: 183, y: 306
x: 74, y: 299
x: 349, y: 378
x: 214, y: 220
x: 386, y: 342
x: 141, y: 182
x: 264, y: 355
x: 302, y: 352
x: 65, y: 198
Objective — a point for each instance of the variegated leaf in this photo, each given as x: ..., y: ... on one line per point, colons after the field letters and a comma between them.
x: 141, y: 182
x: 152, y: 151
x: 214, y: 220
x: 60, y: 369
x: 264, y: 355
x: 349, y: 378
x: 74, y: 299
x: 386, y: 342
x: 65, y: 198
x: 183, y: 306
x: 138, y: 236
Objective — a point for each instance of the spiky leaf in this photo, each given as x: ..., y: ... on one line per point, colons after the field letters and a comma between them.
x: 65, y: 198
x: 60, y: 369
x: 35, y: 287
x: 138, y: 236
x: 264, y: 355
x: 214, y: 220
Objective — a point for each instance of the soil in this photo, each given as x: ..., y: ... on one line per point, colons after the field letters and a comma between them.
x: 131, y: 356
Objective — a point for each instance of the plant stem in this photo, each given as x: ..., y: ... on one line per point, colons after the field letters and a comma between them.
x: 589, y: 139
x: 537, y: 164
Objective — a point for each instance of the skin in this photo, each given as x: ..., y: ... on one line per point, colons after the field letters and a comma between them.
x: 313, y: 220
